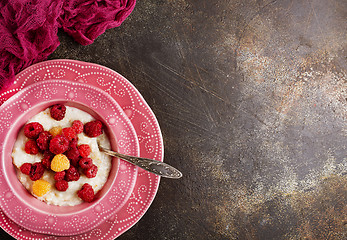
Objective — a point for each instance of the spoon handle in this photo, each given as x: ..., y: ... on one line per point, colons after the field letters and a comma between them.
x: 153, y: 166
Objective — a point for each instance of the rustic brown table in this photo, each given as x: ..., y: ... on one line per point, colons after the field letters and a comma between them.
x: 251, y: 98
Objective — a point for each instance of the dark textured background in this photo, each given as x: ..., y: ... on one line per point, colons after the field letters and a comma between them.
x: 251, y: 99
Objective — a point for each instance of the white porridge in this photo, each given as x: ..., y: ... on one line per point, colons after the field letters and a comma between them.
x: 101, y: 160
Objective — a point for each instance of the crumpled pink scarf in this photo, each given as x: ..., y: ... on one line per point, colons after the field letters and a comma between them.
x: 28, y: 28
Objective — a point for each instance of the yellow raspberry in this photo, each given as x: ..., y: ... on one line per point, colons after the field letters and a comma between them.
x: 60, y: 163
x: 55, y: 131
x: 41, y: 187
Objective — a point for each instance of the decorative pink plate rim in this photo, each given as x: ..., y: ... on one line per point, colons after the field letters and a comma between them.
x: 143, y: 120
x: 86, y: 216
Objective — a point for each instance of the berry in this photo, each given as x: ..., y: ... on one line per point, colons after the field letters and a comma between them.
x: 74, y: 156
x: 43, y: 140
x: 69, y: 133
x: 48, y: 154
x: 59, y: 176
x: 32, y: 130
x: 37, y: 170
x: 58, y: 111
x: 47, y: 158
x: 93, y: 128
x: 31, y: 147
x: 46, y: 162
x: 61, y: 185
x: 41, y: 187
x: 60, y: 163
x: 25, y: 168
x: 84, y: 150
x: 59, y: 144
x: 86, y: 193
x: 55, y: 131
x: 74, y: 162
x: 85, y: 163
x: 91, y: 172
x: 72, y: 174
x: 78, y: 126
x: 73, y: 142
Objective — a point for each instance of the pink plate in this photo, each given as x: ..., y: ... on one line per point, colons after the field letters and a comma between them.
x: 140, y: 115
x: 25, y: 210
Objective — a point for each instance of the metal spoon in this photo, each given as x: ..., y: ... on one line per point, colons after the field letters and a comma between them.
x: 153, y: 166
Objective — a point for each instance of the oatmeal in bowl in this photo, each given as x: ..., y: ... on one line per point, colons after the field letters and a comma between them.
x: 57, y: 156
x: 53, y: 178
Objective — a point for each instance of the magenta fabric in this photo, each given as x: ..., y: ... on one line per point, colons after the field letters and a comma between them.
x: 28, y: 28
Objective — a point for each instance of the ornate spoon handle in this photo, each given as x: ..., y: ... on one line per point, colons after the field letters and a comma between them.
x: 153, y: 166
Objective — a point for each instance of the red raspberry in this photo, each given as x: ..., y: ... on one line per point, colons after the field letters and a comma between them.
x: 25, y: 168
x: 73, y: 142
x: 93, y: 128
x: 37, y: 171
x: 72, y: 174
x: 32, y: 130
x: 48, y: 154
x: 61, y: 185
x: 75, y: 162
x: 91, y: 172
x: 31, y: 147
x: 73, y: 155
x: 58, y: 111
x: 59, y: 176
x: 43, y: 140
x: 69, y: 133
x: 47, y: 158
x: 59, y: 144
x: 86, y: 193
x: 46, y: 162
x: 78, y: 126
x: 84, y: 150
x: 85, y: 163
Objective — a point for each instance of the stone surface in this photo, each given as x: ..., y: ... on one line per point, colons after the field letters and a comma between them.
x: 251, y: 99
